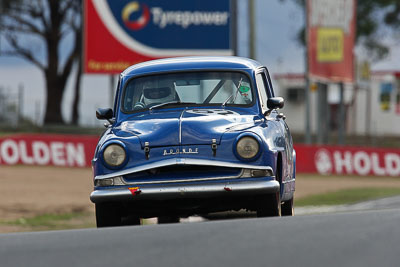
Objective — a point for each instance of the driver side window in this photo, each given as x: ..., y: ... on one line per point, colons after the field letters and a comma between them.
x: 262, y: 89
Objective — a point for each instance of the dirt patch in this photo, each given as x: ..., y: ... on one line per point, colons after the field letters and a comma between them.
x: 307, y: 185
x: 30, y: 191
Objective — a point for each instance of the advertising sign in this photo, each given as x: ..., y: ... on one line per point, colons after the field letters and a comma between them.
x: 118, y: 34
x: 398, y: 95
x: 78, y: 151
x: 55, y: 150
x: 331, y: 35
x: 386, y: 89
x: 398, y: 102
x: 363, y: 74
x: 347, y: 160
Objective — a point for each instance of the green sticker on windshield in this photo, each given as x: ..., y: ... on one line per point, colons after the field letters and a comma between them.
x: 244, y: 89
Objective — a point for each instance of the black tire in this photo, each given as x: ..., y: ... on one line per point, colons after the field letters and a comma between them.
x: 288, y: 208
x: 131, y: 220
x: 107, y: 215
x: 269, y: 206
x: 168, y: 219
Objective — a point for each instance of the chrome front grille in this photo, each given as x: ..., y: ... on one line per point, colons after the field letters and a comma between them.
x: 176, y: 173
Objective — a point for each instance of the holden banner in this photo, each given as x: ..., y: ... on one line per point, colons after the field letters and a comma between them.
x: 78, y: 151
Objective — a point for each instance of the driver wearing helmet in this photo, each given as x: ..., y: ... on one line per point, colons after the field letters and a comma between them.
x: 156, y: 93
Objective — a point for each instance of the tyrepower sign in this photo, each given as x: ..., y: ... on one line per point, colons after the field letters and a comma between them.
x: 120, y: 33
x: 330, y: 41
x: 347, y: 160
x: 56, y: 150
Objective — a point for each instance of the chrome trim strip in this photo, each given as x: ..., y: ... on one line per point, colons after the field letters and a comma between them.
x: 183, y: 161
x: 187, y: 180
x: 179, y: 190
x: 292, y: 180
x: 180, y: 126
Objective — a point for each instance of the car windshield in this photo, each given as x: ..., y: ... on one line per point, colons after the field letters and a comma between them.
x: 194, y: 88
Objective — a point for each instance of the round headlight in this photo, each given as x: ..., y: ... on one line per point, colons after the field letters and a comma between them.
x: 114, y: 155
x: 247, y: 147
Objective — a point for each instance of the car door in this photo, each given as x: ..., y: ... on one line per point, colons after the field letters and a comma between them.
x: 288, y: 136
x: 284, y: 141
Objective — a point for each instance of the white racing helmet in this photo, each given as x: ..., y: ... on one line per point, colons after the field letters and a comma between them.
x: 159, y: 94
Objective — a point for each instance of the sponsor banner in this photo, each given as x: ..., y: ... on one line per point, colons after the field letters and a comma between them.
x: 386, y: 89
x: 56, y: 150
x: 398, y: 103
x: 347, y: 160
x: 78, y: 151
x: 398, y: 94
x: 331, y: 35
x: 121, y: 33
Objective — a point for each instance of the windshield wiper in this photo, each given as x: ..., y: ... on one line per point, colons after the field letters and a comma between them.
x: 234, y: 94
x: 171, y: 104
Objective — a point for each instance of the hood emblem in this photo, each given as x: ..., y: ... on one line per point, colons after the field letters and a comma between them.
x: 178, y: 151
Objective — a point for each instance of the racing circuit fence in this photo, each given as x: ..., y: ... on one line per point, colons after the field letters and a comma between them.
x: 78, y: 151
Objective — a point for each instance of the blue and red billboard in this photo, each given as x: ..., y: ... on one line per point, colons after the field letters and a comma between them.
x: 120, y: 33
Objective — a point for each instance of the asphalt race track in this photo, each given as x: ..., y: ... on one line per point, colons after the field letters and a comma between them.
x: 363, y: 238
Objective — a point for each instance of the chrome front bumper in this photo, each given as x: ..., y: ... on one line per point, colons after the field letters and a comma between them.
x: 182, y: 161
x: 220, y: 188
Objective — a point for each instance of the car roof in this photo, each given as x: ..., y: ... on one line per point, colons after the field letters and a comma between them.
x: 191, y: 63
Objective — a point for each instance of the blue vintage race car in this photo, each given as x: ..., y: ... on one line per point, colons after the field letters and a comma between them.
x: 191, y: 136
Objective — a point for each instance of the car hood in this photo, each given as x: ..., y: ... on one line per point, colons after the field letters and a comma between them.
x: 187, y: 127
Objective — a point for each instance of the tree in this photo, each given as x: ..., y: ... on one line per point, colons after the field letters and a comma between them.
x: 77, y: 86
x: 371, y: 16
x: 49, y: 23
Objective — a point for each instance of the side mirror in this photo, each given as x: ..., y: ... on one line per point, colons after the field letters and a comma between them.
x: 275, y: 103
x: 104, y: 113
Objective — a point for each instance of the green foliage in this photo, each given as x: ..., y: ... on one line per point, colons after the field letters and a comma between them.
x: 347, y: 196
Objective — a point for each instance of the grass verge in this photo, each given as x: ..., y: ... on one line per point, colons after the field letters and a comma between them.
x: 79, y: 220
x: 53, y: 221
x: 347, y: 196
